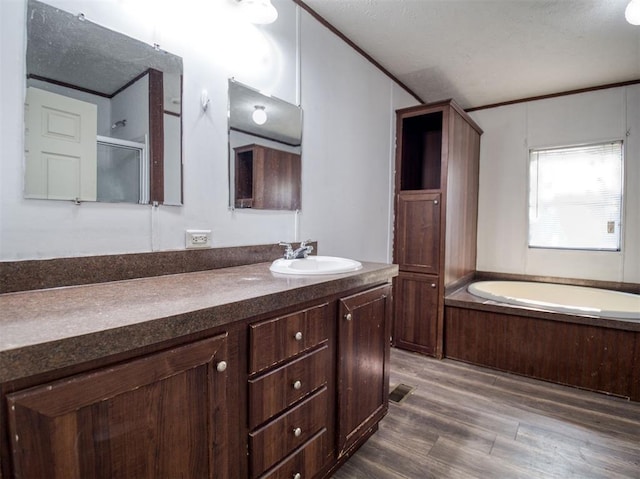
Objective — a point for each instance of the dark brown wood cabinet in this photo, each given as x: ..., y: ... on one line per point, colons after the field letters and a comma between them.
x: 303, y: 419
x: 419, y: 213
x: 420, y: 294
x: 291, y: 412
x: 267, y: 178
x: 163, y: 415
x: 282, y: 396
x: 437, y: 155
x: 363, y: 364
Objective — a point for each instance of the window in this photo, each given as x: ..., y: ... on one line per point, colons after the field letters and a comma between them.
x: 575, y: 197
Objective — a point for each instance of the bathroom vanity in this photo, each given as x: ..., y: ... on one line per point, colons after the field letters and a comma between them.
x: 228, y: 373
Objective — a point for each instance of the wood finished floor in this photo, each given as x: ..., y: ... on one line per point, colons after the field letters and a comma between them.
x: 463, y: 421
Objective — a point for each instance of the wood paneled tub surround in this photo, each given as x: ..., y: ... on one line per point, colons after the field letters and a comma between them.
x: 580, y: 350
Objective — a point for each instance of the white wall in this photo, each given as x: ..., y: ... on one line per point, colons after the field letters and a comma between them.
x: 509, y: 133
x: 132, y: 105
x: 348, y: 149
x: 347, y: 144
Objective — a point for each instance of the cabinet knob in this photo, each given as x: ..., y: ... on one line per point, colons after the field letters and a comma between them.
x: 297, y: 385
x: 435, y: 202
x: 297, y: 432
x: 297, y: 475
x: 221, y: 366
x: 348, y: 316
x: 433, y: 285
x: 298, y: 336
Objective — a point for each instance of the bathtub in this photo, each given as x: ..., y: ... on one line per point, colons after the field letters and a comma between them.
x: 561, y: 298
x: 572, y: 335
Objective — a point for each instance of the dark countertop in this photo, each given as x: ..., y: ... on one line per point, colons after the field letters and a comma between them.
x: 48, y: 329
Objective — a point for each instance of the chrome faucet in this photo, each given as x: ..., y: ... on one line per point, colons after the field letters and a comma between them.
x: 302, y: 252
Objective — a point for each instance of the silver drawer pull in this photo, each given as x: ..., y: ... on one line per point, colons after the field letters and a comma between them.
x: 297, y: 475
x: 221, y: 366
x: 435, y: 202
x: 297, y: 432
x: 298, y: 336
x: 433, y: 285
x: 297, y: 385
x: 348, y: 316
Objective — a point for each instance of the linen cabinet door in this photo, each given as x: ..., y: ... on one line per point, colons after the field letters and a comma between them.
x: 416, y: 320
x: 163, y: 415
x: 363, y: 364
x: 418, y: 230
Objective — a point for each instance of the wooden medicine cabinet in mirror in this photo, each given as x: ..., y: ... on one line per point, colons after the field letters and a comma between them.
x: 266, y: 178
x: 102, y: 114
x: 265, y: 150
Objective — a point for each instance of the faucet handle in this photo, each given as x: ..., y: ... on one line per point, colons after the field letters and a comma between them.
x: 308, y: 249
x: 288, y: 251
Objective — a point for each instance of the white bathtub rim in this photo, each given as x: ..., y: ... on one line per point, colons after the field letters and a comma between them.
x: 479, y: 288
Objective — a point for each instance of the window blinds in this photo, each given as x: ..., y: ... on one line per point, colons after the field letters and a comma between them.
x: 575, y: 197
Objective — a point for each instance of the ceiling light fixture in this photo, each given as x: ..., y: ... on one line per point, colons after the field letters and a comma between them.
x: 259, y: 115
x: 260, y: 12
x: 632, y: 12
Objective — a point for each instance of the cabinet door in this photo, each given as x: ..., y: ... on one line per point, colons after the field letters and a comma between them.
x: 163, y: 415
x: 416, y: 318
x: 280, y: 437
x: 279, y: 339
x: 363, y: 367
x: 277, y: 180
x: 418, y: 230
x: 271, y: 393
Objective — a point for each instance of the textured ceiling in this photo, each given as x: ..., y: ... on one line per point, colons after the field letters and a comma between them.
x: 483, y: 52
x: 285, y: 119
x: 63, y: 48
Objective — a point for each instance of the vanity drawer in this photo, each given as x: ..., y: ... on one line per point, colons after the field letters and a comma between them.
x: 306, y: 461
x: 275, y: 340
x: 280, y: 437
x: 273, y: 392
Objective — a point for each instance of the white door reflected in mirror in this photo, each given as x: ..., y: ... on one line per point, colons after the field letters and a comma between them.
x: 60, y: 147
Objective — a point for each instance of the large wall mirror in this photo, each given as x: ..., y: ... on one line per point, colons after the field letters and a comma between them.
x: 102, y: 115
x: 265, y: 150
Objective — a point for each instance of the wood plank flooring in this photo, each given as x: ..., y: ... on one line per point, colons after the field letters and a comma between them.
x: 463, y: 421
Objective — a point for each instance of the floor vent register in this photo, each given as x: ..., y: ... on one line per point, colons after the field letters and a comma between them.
x: 400, y: 393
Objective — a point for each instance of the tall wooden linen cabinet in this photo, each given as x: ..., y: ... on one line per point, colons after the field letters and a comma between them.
x: 436, y: 204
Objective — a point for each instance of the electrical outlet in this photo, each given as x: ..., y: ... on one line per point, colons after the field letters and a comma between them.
x: 198, y: 239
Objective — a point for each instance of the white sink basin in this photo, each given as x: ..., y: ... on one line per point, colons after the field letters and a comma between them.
x: 315, y: 265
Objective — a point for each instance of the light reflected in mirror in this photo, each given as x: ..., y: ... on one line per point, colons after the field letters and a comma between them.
x: 265, y: 150
x: 102, y: 115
